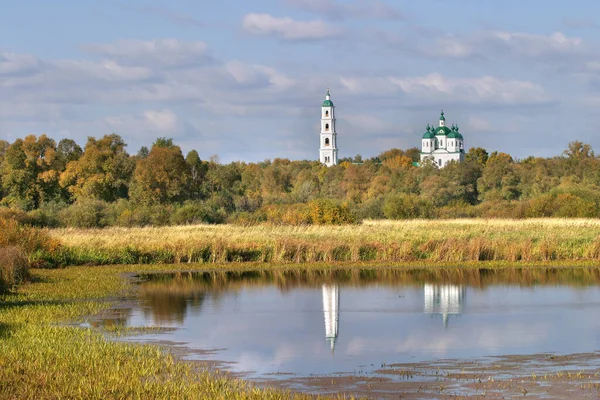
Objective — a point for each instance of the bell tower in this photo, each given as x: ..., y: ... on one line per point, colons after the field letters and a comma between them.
x: 328, y: 153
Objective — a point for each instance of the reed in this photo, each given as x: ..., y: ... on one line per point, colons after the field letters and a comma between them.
x: 461, y: 240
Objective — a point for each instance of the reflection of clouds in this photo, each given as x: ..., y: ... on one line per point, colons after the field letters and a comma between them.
x: 255, y: 361
x: 430, y: 343
x: 267, y: 331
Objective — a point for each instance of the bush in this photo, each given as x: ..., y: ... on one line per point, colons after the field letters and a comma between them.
x: 198, y: 212
x: 30, y: 240
x: 85, y: 214
x: 407, y: 206
x: 14, y: 268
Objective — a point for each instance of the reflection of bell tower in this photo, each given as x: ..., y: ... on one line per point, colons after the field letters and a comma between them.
x: 331, y: 301
x: 444, y: 299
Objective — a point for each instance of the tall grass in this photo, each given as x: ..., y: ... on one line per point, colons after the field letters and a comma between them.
x: 534, y: 240
x: 14, y: 268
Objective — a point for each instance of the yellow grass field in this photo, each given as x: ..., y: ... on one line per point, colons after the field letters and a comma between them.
x: 461, y: 240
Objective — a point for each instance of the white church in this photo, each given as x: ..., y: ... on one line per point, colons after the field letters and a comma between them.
x: 439, y: 145
x: 442, y: 144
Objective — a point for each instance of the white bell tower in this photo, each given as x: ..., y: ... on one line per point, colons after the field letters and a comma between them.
x: 328, y: 153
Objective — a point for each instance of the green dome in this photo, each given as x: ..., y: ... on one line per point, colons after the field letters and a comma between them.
x: 442, y: 118
x: 327, y: 102
x: 454, y: 135
x: 442, y: 130
x: 429, y: 134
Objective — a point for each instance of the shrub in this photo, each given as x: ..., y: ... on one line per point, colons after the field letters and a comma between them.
x: 85, y: 214
x: 13, y: 268
x: 407, y: 206
x: 198, y: 212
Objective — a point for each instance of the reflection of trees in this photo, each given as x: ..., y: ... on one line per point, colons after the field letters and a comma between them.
x: 168, y: 296
x: 168, y: 303
x: 113, y: 317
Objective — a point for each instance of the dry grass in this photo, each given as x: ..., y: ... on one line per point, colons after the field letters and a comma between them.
x: 13, y: 268
x: 462, y: 240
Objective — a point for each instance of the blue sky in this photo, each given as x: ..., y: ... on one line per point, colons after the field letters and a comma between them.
x: 245, y: 79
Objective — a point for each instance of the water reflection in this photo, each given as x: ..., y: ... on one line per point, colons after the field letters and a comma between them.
x: 445, y: 300
x: 272, y: 321
x: 331, y: 299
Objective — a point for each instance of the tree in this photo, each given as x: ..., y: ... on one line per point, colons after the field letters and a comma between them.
x: 198, y: 170
x: 29, y: 172
x: 67, y: 151
x: 162, y: 177
x: 478, y: 155
x: 102, y: 172
x: 578, y: 151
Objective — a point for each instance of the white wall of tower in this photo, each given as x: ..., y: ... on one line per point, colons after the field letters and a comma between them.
x: 328, y: 151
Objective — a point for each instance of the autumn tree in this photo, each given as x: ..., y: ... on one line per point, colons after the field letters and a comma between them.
x: 29, y: 172
x: 162, y: 177
x: 102, y: 172
x: 197, y: 169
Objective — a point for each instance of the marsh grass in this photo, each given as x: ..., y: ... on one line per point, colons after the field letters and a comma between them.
x: 44, y: 354
x: 462, y: 240
x: 14, y: 268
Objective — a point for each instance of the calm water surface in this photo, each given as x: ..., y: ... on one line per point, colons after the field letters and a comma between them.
x: 327, y: 322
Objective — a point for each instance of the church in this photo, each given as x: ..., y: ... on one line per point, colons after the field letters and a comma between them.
x: 439, y: 145
x: 442, y: 144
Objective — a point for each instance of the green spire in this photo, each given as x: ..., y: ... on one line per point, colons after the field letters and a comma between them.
x: 428, y: 128
x: 442, y: 118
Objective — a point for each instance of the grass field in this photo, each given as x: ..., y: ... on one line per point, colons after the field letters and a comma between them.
x: 468, y: 240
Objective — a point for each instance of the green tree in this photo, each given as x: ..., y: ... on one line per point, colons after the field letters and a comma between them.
x: 102, y: 172
x: 29, y: 172
x: 66, y: 151
x: 198, y: 170
x: 162, y: 177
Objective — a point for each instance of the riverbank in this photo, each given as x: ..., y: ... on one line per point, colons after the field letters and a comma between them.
x: 445, y: 241
x: 46, y: 352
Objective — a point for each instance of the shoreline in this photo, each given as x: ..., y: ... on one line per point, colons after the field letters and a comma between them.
x: 34, y: 327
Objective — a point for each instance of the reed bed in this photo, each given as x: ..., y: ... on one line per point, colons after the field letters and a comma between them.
x: 461, y: 240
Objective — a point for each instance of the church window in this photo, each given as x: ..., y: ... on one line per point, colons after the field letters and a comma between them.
x: 327, y: 113
x: 440, y: 162
x: 326, y: 127
x: 326, y: 141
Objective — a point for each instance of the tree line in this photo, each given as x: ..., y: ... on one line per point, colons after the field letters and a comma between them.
x: 46, y: 183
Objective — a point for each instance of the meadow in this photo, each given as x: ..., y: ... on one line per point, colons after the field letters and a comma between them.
x: 427, y: 241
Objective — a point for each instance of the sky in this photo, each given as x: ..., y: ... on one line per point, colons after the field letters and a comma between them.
x: 245, y: 80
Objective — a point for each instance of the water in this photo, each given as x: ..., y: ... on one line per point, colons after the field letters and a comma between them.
x: 328, y: 322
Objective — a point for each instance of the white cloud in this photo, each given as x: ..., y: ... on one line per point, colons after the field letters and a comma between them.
x: 164, y: 52
x: 553, y: 51
x: 435, y: 88
x: 478, y: 124
x: 152, y: 123
x: 476, y: 90
x: 19, y: 64
x: 288, y: 28
x: 359, y: 9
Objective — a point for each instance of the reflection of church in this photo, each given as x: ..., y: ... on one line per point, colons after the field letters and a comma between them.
x: 331, y: 301
x: 444, y: 299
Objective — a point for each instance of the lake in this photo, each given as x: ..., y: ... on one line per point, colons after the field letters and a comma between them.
x: 318, y: 323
